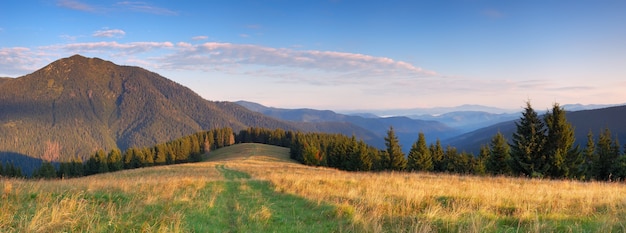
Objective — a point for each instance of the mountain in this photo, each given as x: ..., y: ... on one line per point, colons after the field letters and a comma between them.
x: 77, y: 105
x: 430, y: 111
x: 466, y: 121
x: 406, y: 128
x: 595, y: 120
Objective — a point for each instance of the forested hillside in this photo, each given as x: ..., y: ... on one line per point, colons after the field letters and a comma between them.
x: 77, y: 105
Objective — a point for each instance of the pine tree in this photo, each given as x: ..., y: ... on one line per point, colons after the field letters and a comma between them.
x: 590, y: 157
x: 394, y: 151
x: 46, y: 171
x: 114, y: 159
x: 499, y: 156
x: 606, y: 156
x: 437, y: 153
x: 527, y: 152
x: 419, y: 158
x: 483, y: 157
x: 563, y: 159
x: 102, y: 161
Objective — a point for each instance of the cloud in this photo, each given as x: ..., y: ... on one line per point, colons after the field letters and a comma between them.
x: 212, y: 53
x: 243, y: 35
x: 76, y: 5
x: 19, y: 60
x: 200, y: 38
x: 113, y: 47
x: 145, y: 8
x: 109, y: 33
x: 142, y: 7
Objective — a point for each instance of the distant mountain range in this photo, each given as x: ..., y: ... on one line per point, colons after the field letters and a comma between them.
x: 406, y: 128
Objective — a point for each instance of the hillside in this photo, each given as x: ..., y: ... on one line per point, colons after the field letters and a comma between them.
x: 584, y: 121
x: 407, y: 129
x: 77, y: 105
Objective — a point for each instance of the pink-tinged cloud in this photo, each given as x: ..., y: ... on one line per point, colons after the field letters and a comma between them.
x: 212, y: 53
x: 200, y: 38
x: 122, y: 48
x: 76, y: 5
x: 109, y: 33
x: 19, y: 61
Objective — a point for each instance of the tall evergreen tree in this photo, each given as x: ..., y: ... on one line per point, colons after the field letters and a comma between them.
x: 419, y: 158
x: 102, y: 161
x: 527, y: 150
x: 563, y: 159
x: 437, y: 153
x: 606, y: 156
x: 590, y: 157
x: 114, y: 159
x: 499, y: 156
x: 394, y: 151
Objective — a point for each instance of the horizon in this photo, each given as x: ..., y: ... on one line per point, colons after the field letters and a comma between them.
x: 341, y: 55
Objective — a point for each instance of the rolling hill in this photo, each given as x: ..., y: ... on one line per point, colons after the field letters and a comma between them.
x: 76, y: 105
x: 583, y: 121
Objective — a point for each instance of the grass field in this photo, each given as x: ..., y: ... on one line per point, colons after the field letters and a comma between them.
x: 257, y: 188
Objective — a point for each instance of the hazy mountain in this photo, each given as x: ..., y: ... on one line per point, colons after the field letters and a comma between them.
x: 77, y: 105
x: 466, y: 121
x: 430, y: 111
x: 595, y: 120
x: 406, y: 128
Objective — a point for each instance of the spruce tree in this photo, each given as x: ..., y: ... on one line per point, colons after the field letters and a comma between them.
x: 563, y: 159
x: 419, y: 158
x: 606, y: 156
x: 527, y: 152
x: 590, y: 157
x: 114, y: 159
x: 394, y: 151
x: 499, y: 159
x: 437, y: 153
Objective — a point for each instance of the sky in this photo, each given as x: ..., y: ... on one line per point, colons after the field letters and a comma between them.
x: 339, y: 54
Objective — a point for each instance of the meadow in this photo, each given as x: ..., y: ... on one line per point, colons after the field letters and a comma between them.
x: 257, y: 188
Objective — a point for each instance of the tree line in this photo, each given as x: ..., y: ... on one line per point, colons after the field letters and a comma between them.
x: 183, y: 150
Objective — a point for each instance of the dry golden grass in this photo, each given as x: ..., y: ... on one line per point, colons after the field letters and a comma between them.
x: 105, y: 202
x: 141, y: 200
x: 424, y: 202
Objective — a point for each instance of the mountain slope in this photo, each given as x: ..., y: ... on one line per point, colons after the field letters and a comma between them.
x: 406, y: 128
x: 77, y: 105
x: 594, y: 120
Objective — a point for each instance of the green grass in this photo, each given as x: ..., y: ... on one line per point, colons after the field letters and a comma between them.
x: 199, y: 197
x: 247, y: 205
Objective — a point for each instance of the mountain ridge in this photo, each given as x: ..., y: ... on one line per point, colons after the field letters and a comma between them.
x: 77, y: 105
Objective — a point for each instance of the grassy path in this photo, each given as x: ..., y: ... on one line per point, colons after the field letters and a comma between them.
x: 242, y: 204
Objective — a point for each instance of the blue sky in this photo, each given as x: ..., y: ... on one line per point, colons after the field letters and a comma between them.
x: 340, y: 55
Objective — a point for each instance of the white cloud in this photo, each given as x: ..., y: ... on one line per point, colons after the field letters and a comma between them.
x: 19, y: 61
x: 198, y: 57
x: 118, y: 33
x: 199, y: 37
